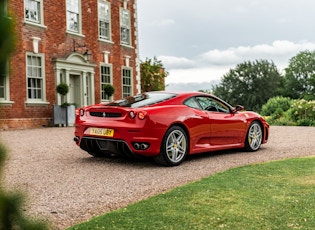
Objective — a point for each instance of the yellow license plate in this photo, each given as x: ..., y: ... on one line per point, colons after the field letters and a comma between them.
x: 102, y: 132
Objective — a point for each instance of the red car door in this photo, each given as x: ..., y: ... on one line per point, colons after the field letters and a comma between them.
x: 226, y: 128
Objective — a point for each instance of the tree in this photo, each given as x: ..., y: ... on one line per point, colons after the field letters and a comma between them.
x: 300, y: 76
x: 11, y: 215
x: 250, y: 84
x: 153, y: 75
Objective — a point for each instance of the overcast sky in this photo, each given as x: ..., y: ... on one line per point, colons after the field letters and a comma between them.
x: 199, y: 41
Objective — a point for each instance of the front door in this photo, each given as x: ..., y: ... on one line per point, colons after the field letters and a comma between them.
x: 75, y: 90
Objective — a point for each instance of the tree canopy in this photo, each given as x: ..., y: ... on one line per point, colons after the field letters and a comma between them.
x: 250, y: 84
x: 300, y: 76
x: 153, y: 75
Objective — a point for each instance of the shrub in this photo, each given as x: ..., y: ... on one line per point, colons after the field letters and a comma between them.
x: 303, y: 112
x: 276, y: 106
x: 108, y: 89
x: 62, y: 89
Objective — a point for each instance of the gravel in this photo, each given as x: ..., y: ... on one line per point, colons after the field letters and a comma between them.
x: 64, y: 185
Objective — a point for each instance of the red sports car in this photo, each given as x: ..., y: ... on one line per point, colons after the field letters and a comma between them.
x: 167, y: 126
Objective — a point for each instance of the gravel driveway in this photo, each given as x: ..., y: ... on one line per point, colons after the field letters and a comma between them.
x: 67, y: 186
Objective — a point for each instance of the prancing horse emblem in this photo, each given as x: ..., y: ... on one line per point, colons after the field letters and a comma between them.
x: 104, y: 114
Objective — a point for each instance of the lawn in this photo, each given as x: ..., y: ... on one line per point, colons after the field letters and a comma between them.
x: 274, y: 195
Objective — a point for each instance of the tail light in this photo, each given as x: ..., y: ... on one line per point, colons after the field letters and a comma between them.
x: 142, y: 115
x: 79, y: 112
x: 132, y: 114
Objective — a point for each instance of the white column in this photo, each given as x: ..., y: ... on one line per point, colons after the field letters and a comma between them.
x: 68, y: 83
x: 58, y: 71
x: 92, y: 89
x: 85, y: 93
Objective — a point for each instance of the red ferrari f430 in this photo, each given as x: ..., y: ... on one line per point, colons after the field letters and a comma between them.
x: 167, y: 126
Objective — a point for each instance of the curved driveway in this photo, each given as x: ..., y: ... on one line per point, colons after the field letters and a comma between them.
x: 67, y: 186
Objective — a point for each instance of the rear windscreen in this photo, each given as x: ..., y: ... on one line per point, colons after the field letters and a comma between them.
x: 143, y: 99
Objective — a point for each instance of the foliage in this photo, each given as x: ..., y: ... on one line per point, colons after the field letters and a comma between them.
x: 153, y: 75
x: 300, y: 76
x: 276, y: 106
x: 259, y: 196
x: 62, y: 89
x: 11, y: 216
x: 303, y: 112
x: 286, y: 111
x: 250, y: 84
x: 108, y: 89
x: 7, y: 39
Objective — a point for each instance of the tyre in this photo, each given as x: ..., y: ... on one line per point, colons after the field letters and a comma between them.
x: 254, y: 137
x: 174, y: 147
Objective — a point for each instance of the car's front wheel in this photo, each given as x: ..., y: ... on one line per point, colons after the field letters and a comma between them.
x: 174, y: 147
x: 254, y: 137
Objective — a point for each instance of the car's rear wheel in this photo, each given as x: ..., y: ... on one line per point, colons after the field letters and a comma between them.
x: 174, y: 147
x: 254, y: 137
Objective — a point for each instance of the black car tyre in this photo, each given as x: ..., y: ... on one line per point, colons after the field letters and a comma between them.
x: 254, y: 137
x: 174, y: 147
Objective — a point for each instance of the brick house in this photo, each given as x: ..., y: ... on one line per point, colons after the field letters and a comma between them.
x: 83, y: 43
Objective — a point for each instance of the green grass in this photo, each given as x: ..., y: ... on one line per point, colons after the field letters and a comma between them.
x: 275, y: 195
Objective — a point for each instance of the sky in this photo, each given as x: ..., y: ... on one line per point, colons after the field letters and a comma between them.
x: 199, y: 41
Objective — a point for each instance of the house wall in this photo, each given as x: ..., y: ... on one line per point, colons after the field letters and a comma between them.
x: 55, y: 43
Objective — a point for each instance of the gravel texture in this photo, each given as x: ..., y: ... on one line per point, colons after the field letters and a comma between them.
x: 64, y: 185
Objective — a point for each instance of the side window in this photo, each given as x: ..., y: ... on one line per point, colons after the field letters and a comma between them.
x: 191, y: 102
x: 104, y: 20
x: 106, y: 79
x: 35, y: 77
x: 33, y: 11
x: 73, y: 16
x: 210, y: 104
x: 125, y: 27
x: 126, y: 82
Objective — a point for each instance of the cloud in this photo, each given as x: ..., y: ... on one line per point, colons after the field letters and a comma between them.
x: 214, y: 64
x: 163, y: 22
x: 177, y: 62
x: 279, y: 51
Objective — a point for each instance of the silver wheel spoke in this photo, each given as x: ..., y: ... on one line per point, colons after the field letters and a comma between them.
x: 254, y: 137
x: 176, y: 146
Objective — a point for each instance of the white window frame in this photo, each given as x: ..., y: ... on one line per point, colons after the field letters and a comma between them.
x: 110, y: 78
x: 78, y: 13
x: 105, y: 20
x: 42, y: 77
x: 127, y: 89
x: 5, y: 87
x: 40, y: 20
x: 125, y: 27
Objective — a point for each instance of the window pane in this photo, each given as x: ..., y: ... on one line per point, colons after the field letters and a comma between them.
x: 126, y: 82
x: 34, y: 77
x: 32, y: 10
x: 125, y: 26
x: 105, y: 79
x: 73, y: 15
x: 72, y: 21
x: 2, y: 87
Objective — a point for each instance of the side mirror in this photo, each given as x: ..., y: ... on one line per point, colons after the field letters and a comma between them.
x: 239, y: 108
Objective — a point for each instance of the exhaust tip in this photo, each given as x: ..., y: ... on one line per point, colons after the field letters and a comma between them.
x: 76, y: 139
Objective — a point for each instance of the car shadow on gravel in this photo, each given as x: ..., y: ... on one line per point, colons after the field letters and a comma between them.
x: 119, y: 160
x: 149, y: 161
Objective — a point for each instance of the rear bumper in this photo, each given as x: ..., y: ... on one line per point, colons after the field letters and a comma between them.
x: 134, y: 142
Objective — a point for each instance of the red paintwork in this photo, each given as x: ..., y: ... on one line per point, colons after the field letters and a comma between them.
x: 207, y: 131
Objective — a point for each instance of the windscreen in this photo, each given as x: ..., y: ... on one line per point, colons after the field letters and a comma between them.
x: 144, y: 99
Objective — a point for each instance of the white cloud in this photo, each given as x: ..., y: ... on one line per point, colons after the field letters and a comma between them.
x: 212, y: 65
x: 163, y: 22
x: 278, y: 51
x: 177, y: 62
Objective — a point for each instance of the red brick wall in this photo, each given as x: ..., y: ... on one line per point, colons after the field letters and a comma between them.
x: 56, y: 43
